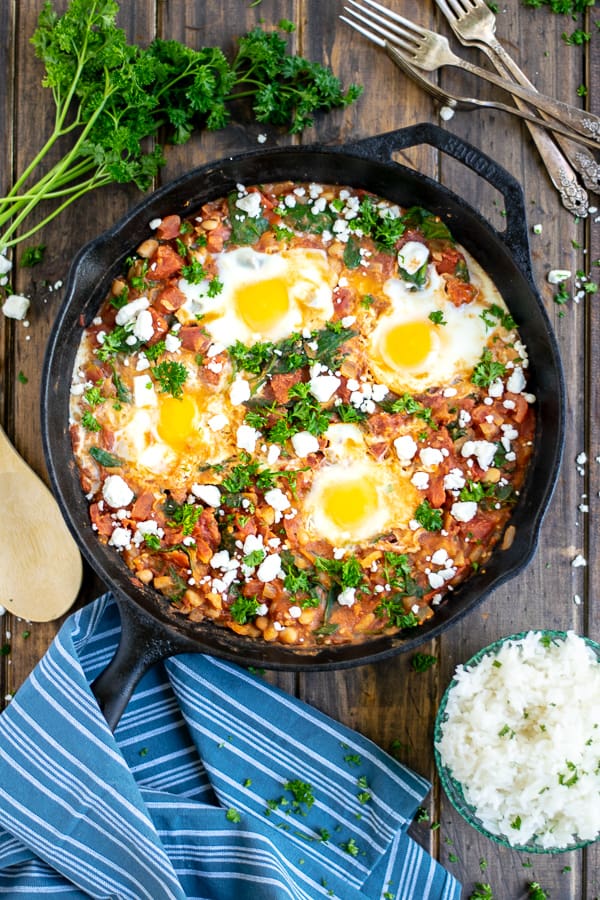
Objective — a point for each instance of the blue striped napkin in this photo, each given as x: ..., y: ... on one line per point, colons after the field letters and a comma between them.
x: 214, y: 785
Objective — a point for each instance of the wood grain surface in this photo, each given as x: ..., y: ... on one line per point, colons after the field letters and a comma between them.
x: 389, y: 702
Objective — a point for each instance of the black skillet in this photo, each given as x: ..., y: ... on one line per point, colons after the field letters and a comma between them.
x: 151, y: 630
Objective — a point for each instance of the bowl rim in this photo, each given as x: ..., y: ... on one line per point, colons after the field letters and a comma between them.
x: 453, y: 788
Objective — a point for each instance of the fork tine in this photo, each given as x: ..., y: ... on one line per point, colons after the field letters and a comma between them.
x: 364, y: 31
x: 391, y: 32
x: 385, y: 32
x: 456, y: 7
x: 407, y: 25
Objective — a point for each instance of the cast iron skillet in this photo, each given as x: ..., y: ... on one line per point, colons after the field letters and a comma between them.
x: 150, y: 629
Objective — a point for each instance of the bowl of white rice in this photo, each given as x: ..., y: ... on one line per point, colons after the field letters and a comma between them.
x: 517, y: 741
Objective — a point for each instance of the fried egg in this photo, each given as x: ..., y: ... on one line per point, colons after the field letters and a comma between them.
x: 353, y: 498
x: 264, y: 296
x: 168, y: 435
x: 411, y: 351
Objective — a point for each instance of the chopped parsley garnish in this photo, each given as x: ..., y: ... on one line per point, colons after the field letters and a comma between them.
x: 437, y: 317
x: 93, y: 396
x: 254, y: 558
x: 118, y: 341
x: 243, y: 608
x: 482, y: 892
x: 536, y: 892
x: 232, y: 815
x: 90, y: 422
x: 194, y: 273
x: 487, y: 370
x: 245, y: 229
x: 302, y: 793
x: 185, y: 516
x: 423, y: 661
x: 152, y: 541
x: 494, y: 314
x: 383, y: 226
x: 408, y: 406
x: 516, y: 823
x: 428, y: 517
x: 347, y: 573
x: 31, y: 256
x: 171, y: 377
x: 153, y: 351
x: 395, y: 610
x: 349, y: 413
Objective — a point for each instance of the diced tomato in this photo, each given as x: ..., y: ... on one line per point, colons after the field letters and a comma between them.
x: 280, y: 385
x: 170, y: 299
x: 142, y: 508
x: 168, y: 228
x: 459, y: 292
x: 102, y: 520
x: 165, y: 262
x: 194, y: 338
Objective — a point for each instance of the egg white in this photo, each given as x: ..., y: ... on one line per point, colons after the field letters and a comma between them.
x: 304, y: 274
x: 454, y: 347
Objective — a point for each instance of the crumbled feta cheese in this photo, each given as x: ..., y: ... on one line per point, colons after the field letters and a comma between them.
x: 172, y: 343
x: 557, y: 276
x: 270, y: 568
x: 347, y: 597
x: 446, y: 113
x: 450, y: 392
x: 15, y: 306
x: 579, y: 561
x: 277, y: 499
x: 208, y: 493
x: 219, y: 422
x: 420, y: 480
x: 220, y: 560
x: 484, y: 451
x: 273, y: 454
x: 120, y: 538
x: 143, y: 329
x: 405, y: 447
x: 117, y: 492
x: 247, y: 437
x: 464, y: 511
x: 435, y: 580
x: 295, y: 612
x: 439, y: 557
x: 412, y: 256
x: 153, y: 224
x: 142, y: 362
x: 250, y: 204
x: 239, y: 391
x: 130, y: 311
x: 304, y: 443
x: 5, y: 264
x: 454, y: 480
x: 581, y: 459
x: 323, y: 387
x: 516, y: 381
x: 143, y: 391
x: 496, y: 388
x: 431, y: 457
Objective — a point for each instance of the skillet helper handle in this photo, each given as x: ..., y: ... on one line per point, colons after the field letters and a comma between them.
x: 515, y: 237
x: 139, y: 649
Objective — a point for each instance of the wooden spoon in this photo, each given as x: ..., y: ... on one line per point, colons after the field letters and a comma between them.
x: 40, y: 565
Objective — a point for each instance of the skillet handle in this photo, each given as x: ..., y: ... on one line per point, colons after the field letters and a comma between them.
x: 138, y: 650
x: 515, y: 237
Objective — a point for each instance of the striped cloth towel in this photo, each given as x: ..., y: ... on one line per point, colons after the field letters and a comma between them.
x: 214, y: 785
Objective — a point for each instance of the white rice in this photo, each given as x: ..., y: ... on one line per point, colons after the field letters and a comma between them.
x: 522, y: 737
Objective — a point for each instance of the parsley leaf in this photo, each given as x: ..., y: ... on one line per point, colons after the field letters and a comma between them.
x: 114, y: 100
x: 487, y: 370
x: 428, y: 517
x: 171, y: 377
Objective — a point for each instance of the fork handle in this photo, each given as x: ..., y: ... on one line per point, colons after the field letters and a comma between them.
x: 579, y: 120
x: 578, y: 158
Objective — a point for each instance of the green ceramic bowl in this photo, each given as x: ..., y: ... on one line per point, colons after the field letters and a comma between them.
x: 454, y: 789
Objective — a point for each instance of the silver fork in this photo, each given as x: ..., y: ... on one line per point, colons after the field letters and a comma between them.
x: 458, y: 101
x: 474, y: 24
x: 429, y: 51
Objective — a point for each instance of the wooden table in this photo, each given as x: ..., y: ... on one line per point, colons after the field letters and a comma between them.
x: 389, y: 702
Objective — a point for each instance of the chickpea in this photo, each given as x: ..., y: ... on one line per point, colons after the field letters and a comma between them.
x: 289, y: 635
x: 147, y: 248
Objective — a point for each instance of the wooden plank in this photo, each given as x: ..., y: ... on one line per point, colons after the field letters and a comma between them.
x: 81, y: 223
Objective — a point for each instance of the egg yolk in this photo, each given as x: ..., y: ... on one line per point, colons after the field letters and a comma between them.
x: 262, y: 304
x: 407, y: 344
x: 349, y: 504
x: 176, y: 420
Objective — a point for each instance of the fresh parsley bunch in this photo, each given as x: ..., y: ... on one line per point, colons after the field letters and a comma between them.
x: 115, y: 100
